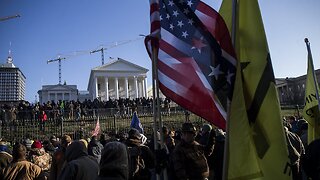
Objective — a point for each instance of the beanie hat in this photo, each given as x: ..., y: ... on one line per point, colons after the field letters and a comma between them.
x: 134, y: 134
x: 36, y: 144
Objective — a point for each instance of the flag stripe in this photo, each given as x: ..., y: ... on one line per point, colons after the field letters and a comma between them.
x: 192, y: 67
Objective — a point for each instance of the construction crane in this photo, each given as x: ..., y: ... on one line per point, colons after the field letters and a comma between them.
x: 112, y: 46
x: 59, y: 60
x: 9, y: 17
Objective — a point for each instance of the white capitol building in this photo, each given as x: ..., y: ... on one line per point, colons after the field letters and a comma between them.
x: 117, y: 79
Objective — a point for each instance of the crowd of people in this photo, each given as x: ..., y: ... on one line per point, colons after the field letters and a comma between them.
x: 73, y: 110
x: 114, y: 156
x: 185, y: 154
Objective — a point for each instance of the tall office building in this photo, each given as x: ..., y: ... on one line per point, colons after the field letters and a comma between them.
x: 12, y: 82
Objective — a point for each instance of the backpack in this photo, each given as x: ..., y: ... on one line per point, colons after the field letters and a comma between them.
x: 136, y: 162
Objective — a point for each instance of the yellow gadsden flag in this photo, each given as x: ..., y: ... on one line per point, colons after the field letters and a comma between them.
x: 311, y: 108
x: 256, y: 145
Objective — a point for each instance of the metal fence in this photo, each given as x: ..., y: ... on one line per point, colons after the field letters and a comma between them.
x: 82, y: 128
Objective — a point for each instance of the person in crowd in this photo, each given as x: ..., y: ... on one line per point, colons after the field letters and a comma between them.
x: 20, y: 168
x: 79, y: 165
x: 302, y: 126
x: 95, y: 148
x: 203, y: 136
x: 40, y: 157
x: 168, y: 139
x: 85, y: 142
x: 104, y: 139
x: 189, y: 157
x: 28, y: 142
x: 58, y: 159
x: 5, y: 156
x: 142, y: 160
x: 295, y: 149
x: 215, y: 160
x: 48, y: 147
x: 311, y: 160
x: 43, y: 120
x: 114, y: 164
x: 293, y: 122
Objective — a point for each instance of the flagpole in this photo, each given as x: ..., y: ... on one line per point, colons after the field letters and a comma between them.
x: 226, y: 143
x: 154, y: 98
x: 313, y: 72
x: 155, y: 94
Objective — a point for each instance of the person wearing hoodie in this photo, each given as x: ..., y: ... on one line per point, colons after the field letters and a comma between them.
x: 79, y: 165
x: 95, y: 148
x: 114, y: 163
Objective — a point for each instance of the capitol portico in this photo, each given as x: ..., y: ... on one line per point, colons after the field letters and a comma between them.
x: 118, y: 79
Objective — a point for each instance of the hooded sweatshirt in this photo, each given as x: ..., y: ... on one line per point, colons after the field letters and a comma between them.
x: 79, y: 165
x: 114, y: 162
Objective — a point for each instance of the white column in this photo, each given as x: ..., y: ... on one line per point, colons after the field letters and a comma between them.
x: 126, y: 87
x: 145, y: 87
x: 107, y: 88
x: 136, y: 86
x: 116, y: 84
x: 95, y: 83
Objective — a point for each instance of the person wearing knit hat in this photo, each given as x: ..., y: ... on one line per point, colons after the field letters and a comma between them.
x: 39, y: 156
x: 36, y: 144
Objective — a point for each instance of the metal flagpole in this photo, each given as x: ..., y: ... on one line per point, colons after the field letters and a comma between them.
x: 156, y: 106
x: 154, y: 77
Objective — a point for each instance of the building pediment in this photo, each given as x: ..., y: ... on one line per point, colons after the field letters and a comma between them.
x: 59, y: 87
x: 120, y: 65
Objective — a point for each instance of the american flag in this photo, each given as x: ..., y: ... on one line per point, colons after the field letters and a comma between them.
x: 196, y: 59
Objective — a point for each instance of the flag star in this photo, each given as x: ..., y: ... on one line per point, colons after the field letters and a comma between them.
x: 175, y: 13
x: 168, y: 16
x: 190, y: 21
x: 190, y: 3
x: 180, y: 23
x: 170, y: 3
x: 229, y: 76
x: 186, y: 11
x: 215, y: 72
x: 171, y: 26
x: 160, y: 17
x: 198, y: 44
x: 185, y: 34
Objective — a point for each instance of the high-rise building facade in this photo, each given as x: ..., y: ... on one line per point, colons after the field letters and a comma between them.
x: 12, y: 82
